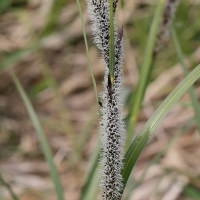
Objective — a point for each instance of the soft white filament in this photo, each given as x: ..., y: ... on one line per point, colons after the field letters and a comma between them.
x: 112, y: 127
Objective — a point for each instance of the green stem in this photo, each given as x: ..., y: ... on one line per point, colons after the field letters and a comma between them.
x: 8, y: 187
x: 145, y: 72
x: 111, y: 44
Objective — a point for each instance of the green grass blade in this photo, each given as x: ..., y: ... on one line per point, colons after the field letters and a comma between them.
x: 194, y: 99
x: 94, y: 189
x: 192, y: 192
x: 111, y: 44
x: 87, y: 188
x: 146, y: 132
x: 3, y: 182
x: 87, y: 51
x: 57, y: 5
x: 4, y: 4
x: 42, y: 138
x: 145, y: 71
x: 159, y: 155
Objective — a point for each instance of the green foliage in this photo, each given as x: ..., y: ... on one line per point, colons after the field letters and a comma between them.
x: 146, y: 132
x: 144, y: 72
x: 3, y: 182
x: 192, y: 192
x: 193, y: 97
x: 111, y: 45
x: 42, y: 138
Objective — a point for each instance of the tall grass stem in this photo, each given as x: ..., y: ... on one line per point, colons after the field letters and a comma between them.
x: 42, y: 138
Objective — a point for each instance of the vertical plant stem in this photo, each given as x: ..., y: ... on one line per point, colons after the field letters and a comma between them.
x: 3, y: 182
x: 111, y: 44
x: 95, y: 154
x: 144, y: 73
x: 42, y: 138
x: 88, y: 55
x: 193, y: 96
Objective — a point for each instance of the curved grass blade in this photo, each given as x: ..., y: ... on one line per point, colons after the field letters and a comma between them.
x: 42, y: 138
x: 159, y: 155
x: 3, y: 182
x: 148, y: 129
x: 145, y: 71
x: 193, y: 96
x: 111, y: 45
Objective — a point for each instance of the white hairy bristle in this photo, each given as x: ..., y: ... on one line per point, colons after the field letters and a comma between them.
x: 112, y: 127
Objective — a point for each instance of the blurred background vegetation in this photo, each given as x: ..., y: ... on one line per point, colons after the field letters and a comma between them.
x: 42, y: 42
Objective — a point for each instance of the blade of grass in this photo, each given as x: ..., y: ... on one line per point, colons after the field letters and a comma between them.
x: 88, y: 55
x: 159, y: 155
x: 145, y: 71
x: 94, y: 189
x: 3, y: 182
x: 111, y: 44
x: 192, y: 192
x: 193, y: 96
x: 146, y: 132
x: 95, y: 156
x: 87, y: 188
x: 4, y: 4
x: 42, y: 138
x: 57, y: 5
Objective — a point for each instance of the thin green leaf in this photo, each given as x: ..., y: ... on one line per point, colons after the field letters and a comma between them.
x: 111, y: 44
x: 146, y: 132
x: 94, y: 189
x: 192, y: 192
x: 88, y: 55
x: 145, y: 71
x: 87, y: 186
x: 4, y: 4
x: 53, y: 15
x: 159, y: 155
x: 42, y: 138
x: 193, y: 96
x: 3, y: 182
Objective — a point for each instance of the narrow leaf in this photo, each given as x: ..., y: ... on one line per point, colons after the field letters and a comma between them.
x: 111, y: 45
x: 146, y: 132
x: 159, y: 155
x: 42, y: 138
x: 87, y: 51
x: 3, y: 182
x: 145, y: 71
x: 87, y: 186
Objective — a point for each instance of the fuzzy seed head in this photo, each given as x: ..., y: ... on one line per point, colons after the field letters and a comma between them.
x: 112, y: 127
x: 167, y: 17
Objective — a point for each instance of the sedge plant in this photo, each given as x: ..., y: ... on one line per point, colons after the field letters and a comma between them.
x: 116, y: 165
x: 116, y: 168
